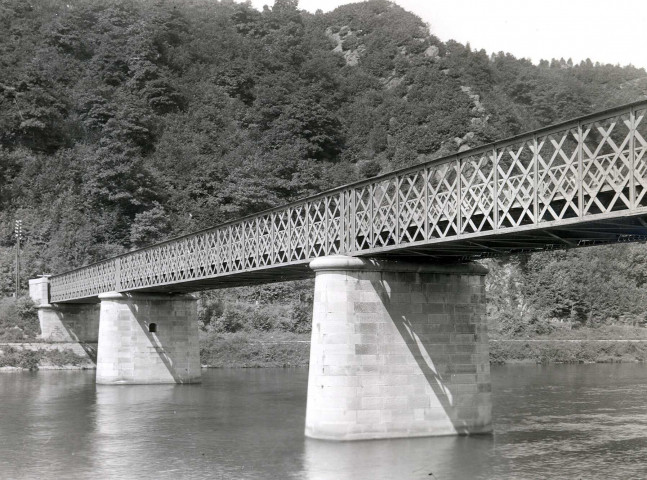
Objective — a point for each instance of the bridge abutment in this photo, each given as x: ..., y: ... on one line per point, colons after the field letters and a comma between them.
x: 148, y: 338
x: 70, y: 325
x: 398, y: 350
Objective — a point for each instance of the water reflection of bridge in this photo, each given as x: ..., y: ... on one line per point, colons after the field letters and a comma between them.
x: 395, y: 304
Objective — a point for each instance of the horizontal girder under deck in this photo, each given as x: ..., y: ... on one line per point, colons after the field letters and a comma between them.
x: 582, y: 182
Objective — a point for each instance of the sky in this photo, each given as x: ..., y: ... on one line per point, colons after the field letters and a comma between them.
x: 606, y: 31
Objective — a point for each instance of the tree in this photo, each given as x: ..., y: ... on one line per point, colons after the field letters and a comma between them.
x: 126, y: 122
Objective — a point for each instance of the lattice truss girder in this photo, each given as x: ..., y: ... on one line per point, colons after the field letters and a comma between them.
x: 580, y: 169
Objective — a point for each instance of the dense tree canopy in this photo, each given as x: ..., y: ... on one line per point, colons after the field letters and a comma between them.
x: 123, y: 122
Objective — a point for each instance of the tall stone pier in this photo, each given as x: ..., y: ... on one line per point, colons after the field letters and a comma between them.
x: 148, y: 338
x: 398, y: 350
x: 134, y: 337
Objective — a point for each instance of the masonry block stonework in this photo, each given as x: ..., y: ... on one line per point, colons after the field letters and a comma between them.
x: 148, y: 338
x: 39, y: 290
x: 398, y: 350
x: 65, y: 323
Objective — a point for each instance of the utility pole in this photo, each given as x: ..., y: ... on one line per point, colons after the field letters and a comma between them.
x: 18, y: 233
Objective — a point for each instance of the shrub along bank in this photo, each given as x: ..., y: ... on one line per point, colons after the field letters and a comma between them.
x: 18, y: 320
x: 567, y: 351
x: 263, y: 349
x: 41, y: 358
x: 19, y: 325
x: 254, y: 349
x: 270, y: 327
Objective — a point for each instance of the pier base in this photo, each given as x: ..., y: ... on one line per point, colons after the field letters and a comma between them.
x: 398, y: 350
x: 148, y: 338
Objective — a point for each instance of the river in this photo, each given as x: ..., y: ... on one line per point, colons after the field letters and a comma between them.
x: 561, y: 421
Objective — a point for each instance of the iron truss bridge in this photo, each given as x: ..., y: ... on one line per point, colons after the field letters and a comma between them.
x: 580, y: 182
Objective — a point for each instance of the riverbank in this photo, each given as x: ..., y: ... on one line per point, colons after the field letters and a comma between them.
x: 586, y: 345
x: 254, y: 349
x: 258, y: 349
x: 605, y: 344
x: 567, y: 351
x: 45, y: 356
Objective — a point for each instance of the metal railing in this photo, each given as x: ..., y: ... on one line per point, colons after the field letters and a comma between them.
x: 583, y: 168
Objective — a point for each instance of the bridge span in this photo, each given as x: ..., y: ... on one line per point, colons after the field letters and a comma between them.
x: 577, y: 183
x: 399, y: 342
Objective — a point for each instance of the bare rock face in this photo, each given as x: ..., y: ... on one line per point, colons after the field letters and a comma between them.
x: 352, y: 56
x: 431, y: 51
x: 478, y: 106
x: 466, y: 142
x: 464, y: 147
x: 392, y: 80
x: 337, y: 39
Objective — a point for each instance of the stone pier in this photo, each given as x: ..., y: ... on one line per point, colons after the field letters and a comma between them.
x: 133, y: 337
x: 148, y: 338
x: 398, y: 350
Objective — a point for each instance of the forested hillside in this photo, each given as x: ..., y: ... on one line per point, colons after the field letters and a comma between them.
x: 126, y: 122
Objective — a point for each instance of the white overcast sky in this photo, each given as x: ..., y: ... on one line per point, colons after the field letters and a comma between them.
x: 606, y: 31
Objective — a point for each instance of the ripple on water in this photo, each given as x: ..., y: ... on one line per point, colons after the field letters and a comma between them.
x: 573, y: 422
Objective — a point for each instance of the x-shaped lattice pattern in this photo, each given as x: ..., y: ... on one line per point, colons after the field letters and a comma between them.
x: 411, y: 206
x: 442, y: 205
x: 385, y: 213
x: 557, y: 169
x: 607, y: 164
x: 515, y: 169
x: 477, y: 193
x: 586, y: 167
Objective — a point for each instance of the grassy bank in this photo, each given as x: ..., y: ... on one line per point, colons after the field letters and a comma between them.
x: 29, y: 359
x: 606, y: 344
x: 20, y: 345
x: 277, y: 342
x: 254, y: 349
x: 567, y: 351
x: 261, y: 349
x: 281, y: 349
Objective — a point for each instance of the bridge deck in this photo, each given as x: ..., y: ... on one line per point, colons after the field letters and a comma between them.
x: 578, y: 183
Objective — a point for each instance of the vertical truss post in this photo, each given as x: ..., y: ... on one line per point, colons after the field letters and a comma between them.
x: 459, y: 196
x: 353, y: 220
x: 190, y: 263
x: 231, y: 248
x: 632, y: 156
x: 343, y: 243
x: 535, y: 181
x: 288, y: 253
x: 495, y: 177
x: 217, y: 249
x: 18, y: 233
x: 272, y: 237
x: 580, y: 161
x: 371, y: 227
x: 306, y: 231
x: 257, y: 223
x: 326, y: 222
x: 118, y: 274
x: 426, y: 197
x: 396, y: 240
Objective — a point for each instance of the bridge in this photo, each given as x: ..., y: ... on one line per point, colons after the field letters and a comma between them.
x: 395, y: 278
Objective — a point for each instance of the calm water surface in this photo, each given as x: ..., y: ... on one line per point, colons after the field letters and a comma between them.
x: 580, y: 421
